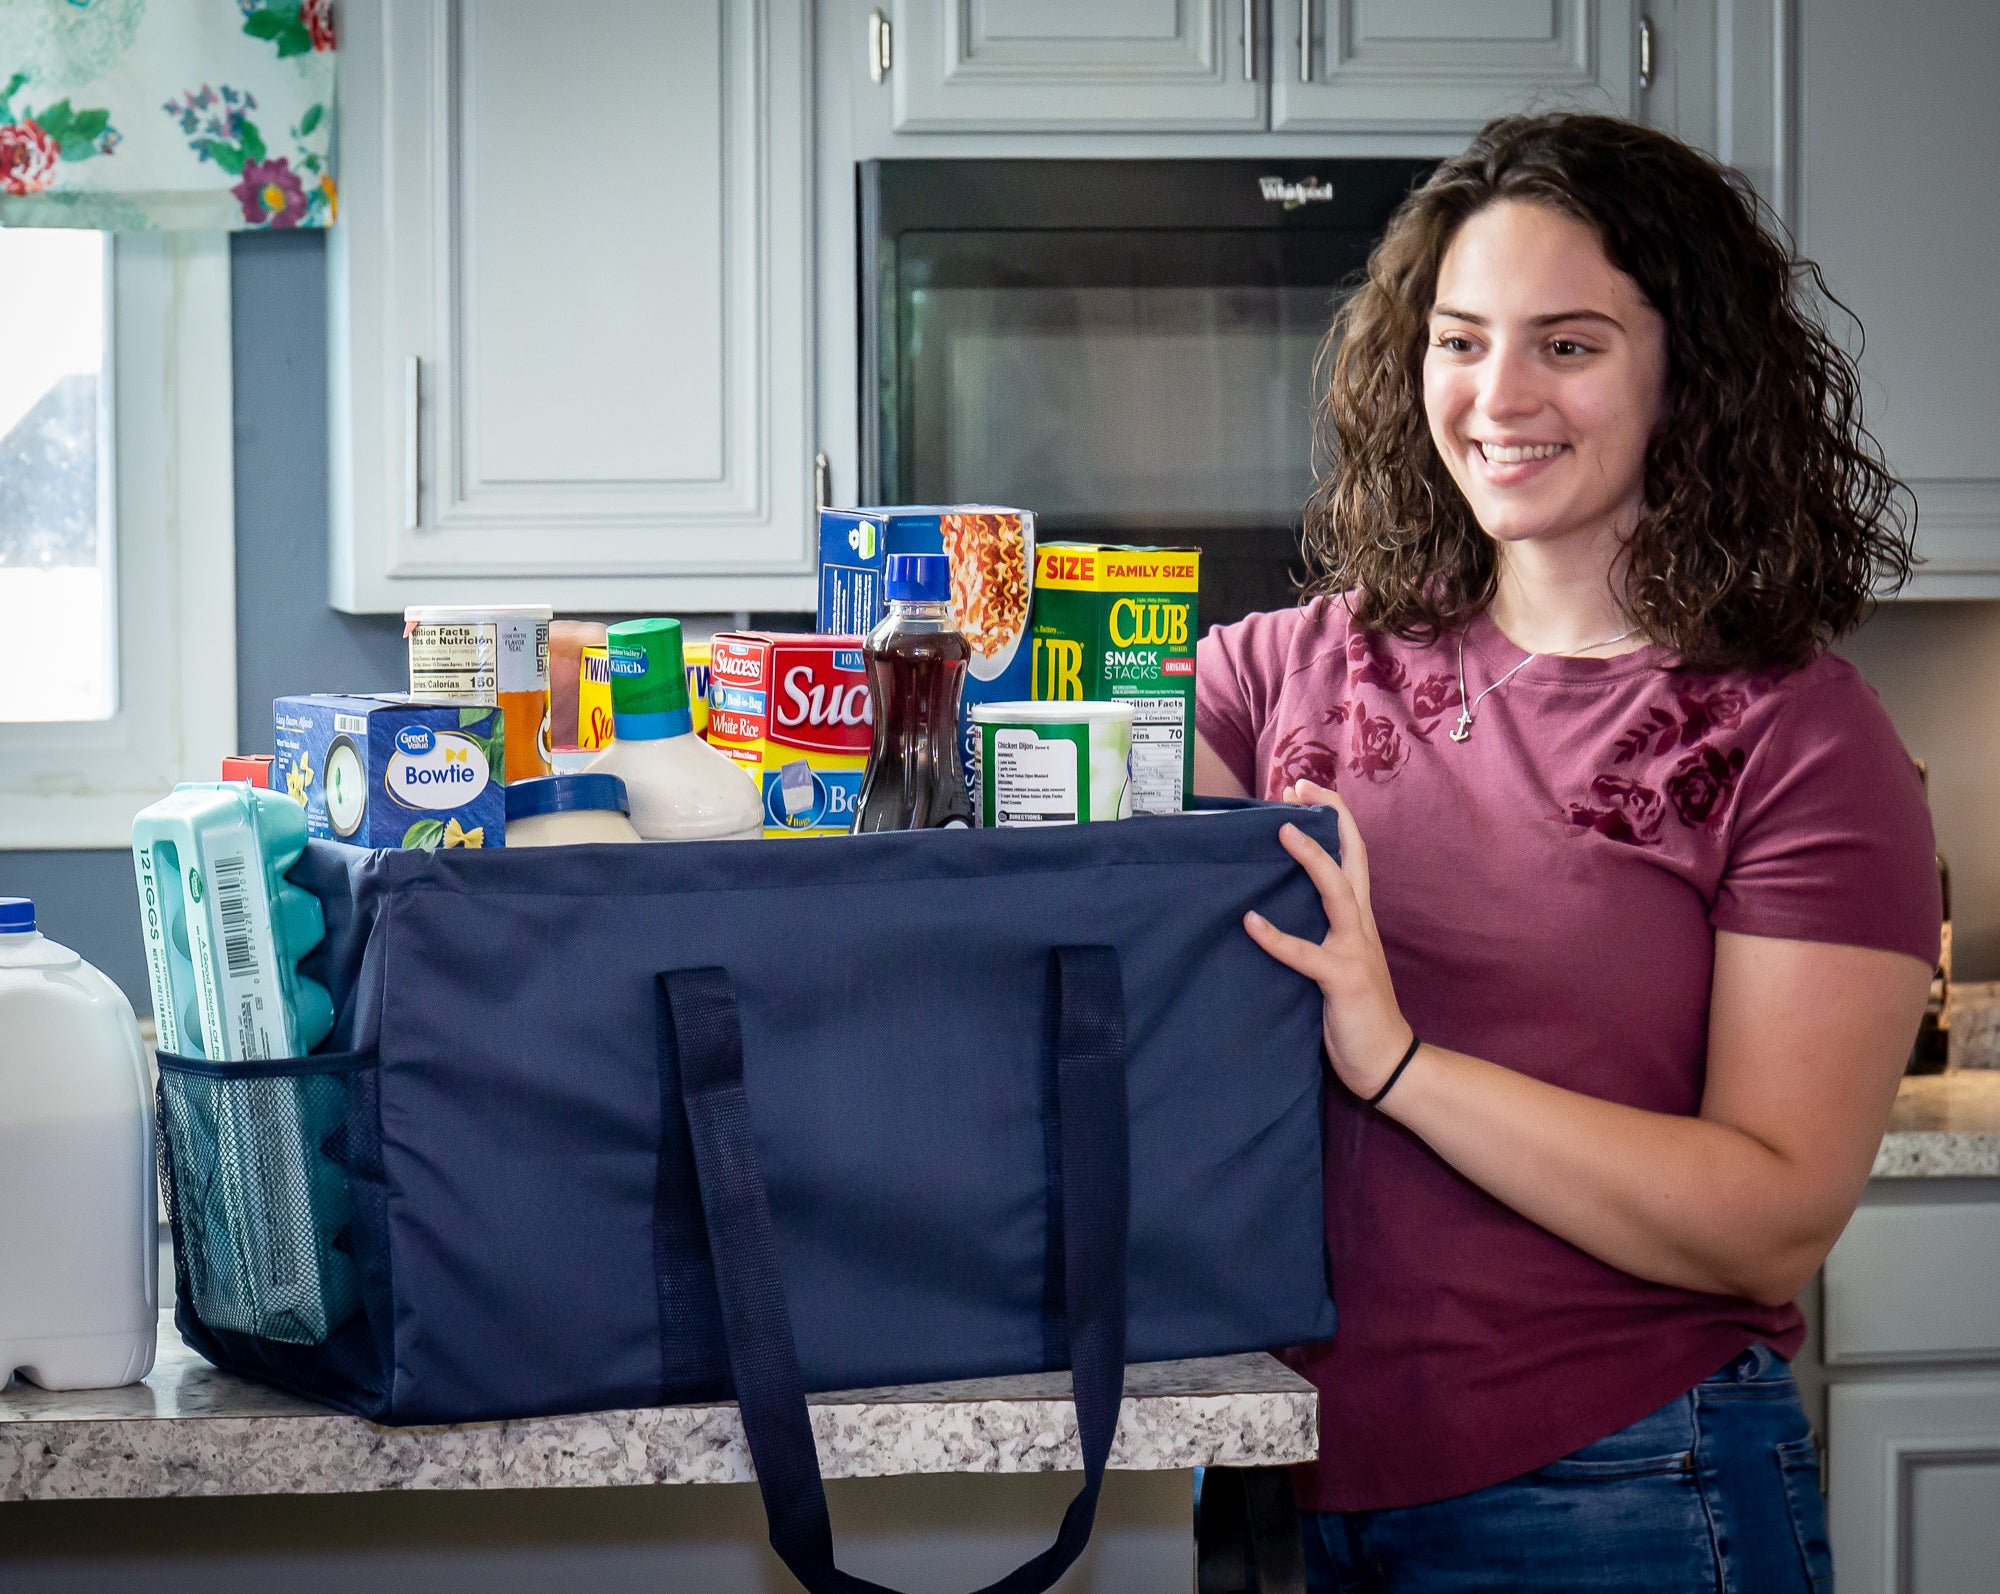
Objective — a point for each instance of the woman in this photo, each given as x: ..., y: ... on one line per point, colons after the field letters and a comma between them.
x: 1620, y: 982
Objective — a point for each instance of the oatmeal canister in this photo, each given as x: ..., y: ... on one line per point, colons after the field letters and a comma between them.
x: 497, y: 656
x: 1053, y: 763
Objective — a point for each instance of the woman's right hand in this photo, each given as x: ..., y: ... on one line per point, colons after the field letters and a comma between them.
x: 1364, y: 1027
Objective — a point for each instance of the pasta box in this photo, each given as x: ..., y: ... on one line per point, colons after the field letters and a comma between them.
x: 393, y: 771
x: 992, y: 555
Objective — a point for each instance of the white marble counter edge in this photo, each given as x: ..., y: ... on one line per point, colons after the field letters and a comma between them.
x: 1269, y: 1418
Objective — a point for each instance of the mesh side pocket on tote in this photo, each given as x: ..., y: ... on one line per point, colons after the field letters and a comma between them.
x: 256, y: 1178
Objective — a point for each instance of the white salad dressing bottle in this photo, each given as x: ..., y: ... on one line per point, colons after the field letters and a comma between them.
x: 680, y: 788
x: 79, y: 1228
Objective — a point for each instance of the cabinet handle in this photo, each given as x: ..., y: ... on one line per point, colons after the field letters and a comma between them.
x: 413, y: 447
x: 881, y: 47
x: 1249, y: 41
x: 1645, y: 52
x: 822, y: 481
x: 1305, y: 41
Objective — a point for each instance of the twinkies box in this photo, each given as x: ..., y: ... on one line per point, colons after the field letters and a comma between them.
x: 392, y: 771
x: 794, y: 711
x: 992, y: 554
x: 1117, y: 625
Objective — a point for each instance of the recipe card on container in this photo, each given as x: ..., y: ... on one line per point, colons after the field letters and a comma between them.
x: 794, y: 711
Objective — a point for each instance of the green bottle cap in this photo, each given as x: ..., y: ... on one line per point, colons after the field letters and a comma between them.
x: 649, y: 695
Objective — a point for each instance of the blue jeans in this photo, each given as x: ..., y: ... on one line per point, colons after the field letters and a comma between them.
x: 1717, y: 1492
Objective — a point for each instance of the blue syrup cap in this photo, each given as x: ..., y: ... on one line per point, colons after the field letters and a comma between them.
x: 17, y: 915
x: 919, y: 578
x: 559, y: 794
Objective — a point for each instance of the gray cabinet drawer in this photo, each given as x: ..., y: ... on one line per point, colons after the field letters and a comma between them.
x: 1916, y: 1280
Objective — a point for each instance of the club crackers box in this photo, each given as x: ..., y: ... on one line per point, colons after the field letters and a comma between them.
x: 794, y: 711
x: 393, y: 771
x: 992, y: 554
x: 1117, y: 625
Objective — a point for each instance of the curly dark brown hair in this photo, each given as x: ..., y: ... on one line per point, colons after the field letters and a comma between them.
x: 1770, y: 522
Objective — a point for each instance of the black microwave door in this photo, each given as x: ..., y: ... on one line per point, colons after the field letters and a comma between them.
x: 1137, y: 383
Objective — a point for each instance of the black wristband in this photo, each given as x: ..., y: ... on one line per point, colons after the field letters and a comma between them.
x: 1409, y: 1052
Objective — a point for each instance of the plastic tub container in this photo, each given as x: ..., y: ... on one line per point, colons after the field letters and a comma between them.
x: 1053, y: 763
x: 565, y: 810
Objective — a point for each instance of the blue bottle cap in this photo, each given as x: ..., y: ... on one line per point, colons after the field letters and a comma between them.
x: 919, y: 578
x: 17, y: 915
x: 561, y: 794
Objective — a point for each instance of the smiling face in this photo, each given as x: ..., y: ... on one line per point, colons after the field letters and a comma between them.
x: 1544, y: 378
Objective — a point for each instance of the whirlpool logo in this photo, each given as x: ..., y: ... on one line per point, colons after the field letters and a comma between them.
x: 1283, y: 191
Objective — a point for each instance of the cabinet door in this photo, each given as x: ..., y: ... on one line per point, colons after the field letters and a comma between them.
x: 570, y: 288
x: 1895, y: 201
x: 1064, y: 66
x: 1914, y: 1485
x: 1445, y: 65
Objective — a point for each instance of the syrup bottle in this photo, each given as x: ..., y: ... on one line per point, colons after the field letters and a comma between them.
x: 916, y: 670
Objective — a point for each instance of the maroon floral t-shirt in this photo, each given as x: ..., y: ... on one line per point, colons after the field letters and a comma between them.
x: 1548, y: 893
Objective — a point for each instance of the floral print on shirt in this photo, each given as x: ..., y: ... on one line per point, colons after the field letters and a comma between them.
x: 1700, y: 784
x: 1674, y: 761
x: 1369, y: 732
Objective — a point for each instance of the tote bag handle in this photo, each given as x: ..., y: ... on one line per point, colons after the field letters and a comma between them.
x: 701, y: 1040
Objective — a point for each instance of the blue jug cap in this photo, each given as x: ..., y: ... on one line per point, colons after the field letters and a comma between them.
x: 17, y: 915
x: 561, y: 794
x: 919, y: 578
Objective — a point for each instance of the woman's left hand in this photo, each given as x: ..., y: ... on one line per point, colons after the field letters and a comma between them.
x: 1364, y: 1026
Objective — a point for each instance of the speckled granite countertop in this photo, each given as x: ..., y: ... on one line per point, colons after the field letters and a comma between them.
x: 1945, y: 1126
x: 190, y: 1430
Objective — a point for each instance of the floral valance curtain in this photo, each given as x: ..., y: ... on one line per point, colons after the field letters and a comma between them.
x: 138, y: 114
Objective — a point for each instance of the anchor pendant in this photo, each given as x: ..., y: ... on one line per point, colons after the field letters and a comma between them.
x: 1463, y: 730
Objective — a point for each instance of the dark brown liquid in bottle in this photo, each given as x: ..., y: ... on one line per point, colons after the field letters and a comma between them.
x: 916, y: 779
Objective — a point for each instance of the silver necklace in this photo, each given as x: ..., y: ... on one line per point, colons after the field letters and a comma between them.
x: 1463, y: 730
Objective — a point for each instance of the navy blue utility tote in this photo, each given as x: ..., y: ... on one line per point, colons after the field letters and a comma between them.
x: 606, y: 1127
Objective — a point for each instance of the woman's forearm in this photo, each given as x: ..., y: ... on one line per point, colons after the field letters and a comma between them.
x: 1678, y: 1200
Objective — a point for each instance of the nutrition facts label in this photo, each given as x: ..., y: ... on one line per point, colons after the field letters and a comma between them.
x: 1159, y: 743
x: 458, y: 663
x: 1034, y: 781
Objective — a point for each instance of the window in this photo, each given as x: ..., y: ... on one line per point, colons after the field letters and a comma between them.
x: 117, y: 556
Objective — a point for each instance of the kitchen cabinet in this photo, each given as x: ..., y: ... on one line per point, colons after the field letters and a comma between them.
x: 1915, y: 1485
x: 1910, y: 1352
x: 989, y: 65
x: 1354, y: 65
x: 571, y: 305
x: 1369, y: 66
x: 1896, y: 171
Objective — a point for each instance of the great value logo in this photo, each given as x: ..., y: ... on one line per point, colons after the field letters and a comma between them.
x: 435, y: 769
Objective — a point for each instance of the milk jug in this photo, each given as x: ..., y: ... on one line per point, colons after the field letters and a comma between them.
x: 79, y: 1230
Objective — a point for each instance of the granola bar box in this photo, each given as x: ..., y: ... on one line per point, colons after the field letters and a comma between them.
x: 1117, y: 625
x: 992, y: 554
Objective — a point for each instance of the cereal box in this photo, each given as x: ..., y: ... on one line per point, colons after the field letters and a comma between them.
x: 1117, y: 625
x: 794, y: 711
x: 992, y: 553
x: 393, y: 772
